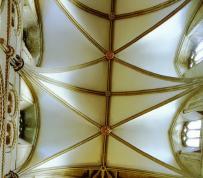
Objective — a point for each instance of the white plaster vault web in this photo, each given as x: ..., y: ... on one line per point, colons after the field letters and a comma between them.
x: 107, y: 87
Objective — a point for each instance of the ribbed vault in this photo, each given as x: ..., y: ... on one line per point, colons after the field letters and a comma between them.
x: 107, y: 86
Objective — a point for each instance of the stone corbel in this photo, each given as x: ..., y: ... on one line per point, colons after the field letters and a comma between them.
x: 11, y: 174
x: 17, y: 62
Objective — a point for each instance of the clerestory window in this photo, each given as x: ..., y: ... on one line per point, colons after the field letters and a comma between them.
x: 191, y: 134
x: 196, y: 55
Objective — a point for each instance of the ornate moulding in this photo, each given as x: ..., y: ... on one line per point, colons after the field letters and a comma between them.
x: 192, y: 37
x: 188, y: 158
x: 12, y: 113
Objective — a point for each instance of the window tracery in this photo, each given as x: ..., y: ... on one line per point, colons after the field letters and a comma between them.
x: 196, y: 55
x: 191, y: 134
x: 190, y: 55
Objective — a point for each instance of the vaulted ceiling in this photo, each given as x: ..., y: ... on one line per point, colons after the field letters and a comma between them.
x: 107, y: 87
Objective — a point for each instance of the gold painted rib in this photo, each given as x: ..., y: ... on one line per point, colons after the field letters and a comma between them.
x: 108, y: 100
x: 79, y: 27
x: 67, y: 86
x: 155, y: 75
x: 109, y: 65
x: 201, y: 144
x: 172, y: 127
x: 61, y: 169
x: 1, y: 106
x: 152, y: 108
x: 5, y: 89
x: 138, y: 172
x: 153, y: 27
x: 108, y: 174
x: 109, y: 84
x: 111, y: 35
x: 3, y: 146
x: 147, y: 155
x: 60, y: 153
x: 102, y: 174
x: 183, y: 37
x: 2, y: 4
x: 38, y: 125
x: 61, y: 100
x: 89, y: 10
x: 104, y: 151
x: 66, y: 69
x: 97, y: 174
x: 108, y: 97
x: 147, y: 10
x: 112, y: 26
x: 156, y: 90
x: 39, y: 18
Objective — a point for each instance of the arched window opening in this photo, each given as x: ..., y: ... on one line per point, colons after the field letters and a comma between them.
x: 32, y: 34
x: 191, y: 134
x: 196, y: 55
x: 28, y: 124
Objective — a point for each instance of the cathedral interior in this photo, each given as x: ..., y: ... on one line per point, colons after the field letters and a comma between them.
x: 143, y: 119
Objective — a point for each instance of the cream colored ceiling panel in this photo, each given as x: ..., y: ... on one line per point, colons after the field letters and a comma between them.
x: 100, y: 5
x: 71, y: 85
x: 91, y: 105
x: 194, y: 25
x: 125, y: 79
x: 123, y: 107
x: 87, y: 77
x: 159, y: 47
x: 130, y: 159
x: 60, y: 128
x: 25, y: 91
x: 149, y: 132
x: 135, y: 5
x: 86, y: 154
x: 64, y: 44
x: 137, y: 25
x: 95, y: 26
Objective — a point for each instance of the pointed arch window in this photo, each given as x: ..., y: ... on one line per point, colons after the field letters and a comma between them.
x: 196, y: 55
x: 191, y: 134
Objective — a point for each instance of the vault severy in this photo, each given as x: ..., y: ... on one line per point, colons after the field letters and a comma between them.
x: 172, y: 87
x: 73, y: 90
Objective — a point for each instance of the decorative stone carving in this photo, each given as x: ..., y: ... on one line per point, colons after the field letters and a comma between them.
x: 12, y: 102
x: 10, y: 134
x: 112, y: 16
x: 17, y: 63
x: 105, y: 130
x: 11, y: 174
x: 109, y: 55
